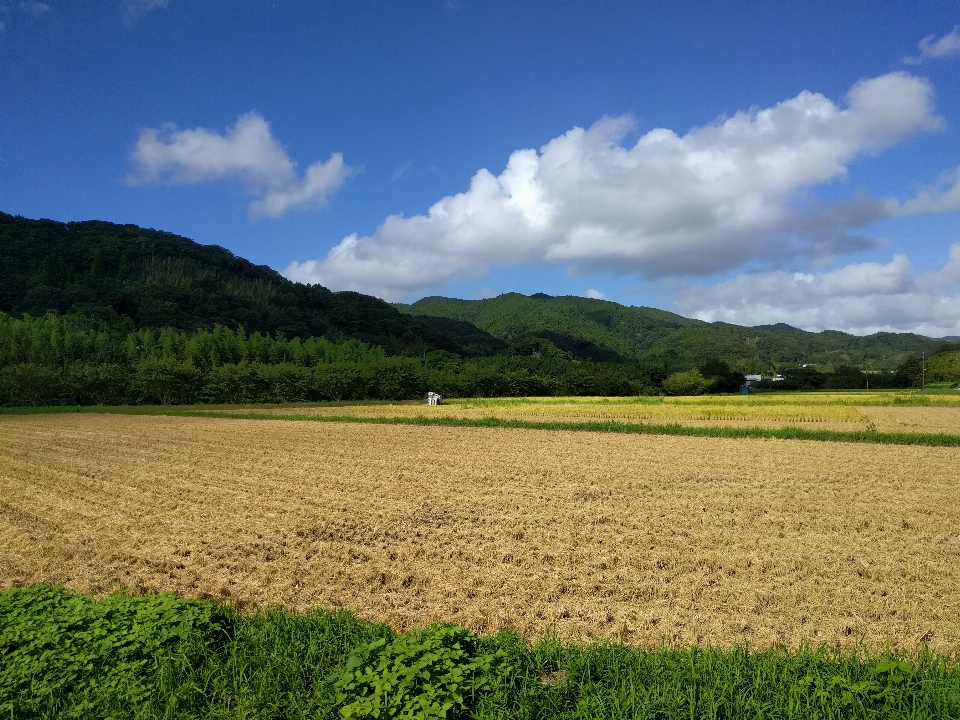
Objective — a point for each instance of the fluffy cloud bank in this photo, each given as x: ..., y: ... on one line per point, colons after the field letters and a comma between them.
x: 248, y: 153
x: 862, y: 298
x: 695, y: 204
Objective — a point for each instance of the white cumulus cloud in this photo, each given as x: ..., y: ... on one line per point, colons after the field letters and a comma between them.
x: 860, y: 298
x: 595, y: 294
x: 937, y: 48
x: 943, y: 196
x: 247, y: 153
x: 668, y: 204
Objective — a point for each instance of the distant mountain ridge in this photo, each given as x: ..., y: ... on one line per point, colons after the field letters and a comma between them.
x: 778, y: 327
x: 589, y: 329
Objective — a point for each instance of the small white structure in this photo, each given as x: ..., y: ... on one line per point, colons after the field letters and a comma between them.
x: 750, y: 379
x: 434, y: 398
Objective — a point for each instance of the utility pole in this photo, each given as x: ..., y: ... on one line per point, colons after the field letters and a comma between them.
x: 923, y: 371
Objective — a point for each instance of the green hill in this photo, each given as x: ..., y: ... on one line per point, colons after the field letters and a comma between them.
x: 161, y: 280
x: 106, y: 271
x: 604, y: 330
x: 589, y: 329
x: 467, y: 335
x: 749, y: 349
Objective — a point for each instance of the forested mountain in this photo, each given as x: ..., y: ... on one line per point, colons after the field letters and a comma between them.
x: 589, y: 329
x: 471, y: 338
x: 103, y: 270
x: 93, y: 312
x: 603, y: 331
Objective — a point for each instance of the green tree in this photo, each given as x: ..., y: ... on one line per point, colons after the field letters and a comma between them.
x: 945, y: 367
x: 165, y: 382
x: 101, y: 384
x: 690, y: 382
x: 910, y: 372
x: 339, y: 381
x: 723, y: 378
x: 24, y: 384
x: 234, y: 384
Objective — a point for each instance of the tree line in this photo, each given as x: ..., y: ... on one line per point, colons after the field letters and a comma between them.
x: 78, y: 360
x: 75, y: 359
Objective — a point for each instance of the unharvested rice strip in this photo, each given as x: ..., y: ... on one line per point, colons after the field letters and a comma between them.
x: 898, y: 419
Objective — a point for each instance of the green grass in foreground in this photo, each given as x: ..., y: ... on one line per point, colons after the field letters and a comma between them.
x: 67, y: 656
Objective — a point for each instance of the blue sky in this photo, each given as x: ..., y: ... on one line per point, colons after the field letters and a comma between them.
x: 740, y: 161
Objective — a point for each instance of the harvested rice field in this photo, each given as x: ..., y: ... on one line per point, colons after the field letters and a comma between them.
x: 640, y: 538
x: 814, y: 411
x: 913, y: 419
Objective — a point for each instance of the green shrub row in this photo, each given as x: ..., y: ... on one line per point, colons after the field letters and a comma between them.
x: 67, y: 656
x: 169, y: 382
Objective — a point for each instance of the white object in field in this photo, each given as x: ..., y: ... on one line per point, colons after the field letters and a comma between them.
x: 434, y: 398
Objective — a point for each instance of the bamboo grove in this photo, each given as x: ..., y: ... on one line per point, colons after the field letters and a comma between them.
x: 77, y: 360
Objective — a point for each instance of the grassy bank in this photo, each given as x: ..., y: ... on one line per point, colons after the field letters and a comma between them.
x: 158, y: 656
x: 785, y: 433
x: 611, y: 426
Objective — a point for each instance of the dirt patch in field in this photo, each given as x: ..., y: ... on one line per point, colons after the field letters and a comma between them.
x: 639, y: 538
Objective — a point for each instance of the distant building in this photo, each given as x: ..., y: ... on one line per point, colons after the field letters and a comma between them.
x: 750, y: 379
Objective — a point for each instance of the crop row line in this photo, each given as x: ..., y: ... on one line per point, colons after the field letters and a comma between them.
x: 629, y: 428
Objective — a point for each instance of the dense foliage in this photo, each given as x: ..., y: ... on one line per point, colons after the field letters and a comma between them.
x: 77, y: 360
x: 602, y: 330
x: 589, y: 329
x: 944, y: 366
x: 67, y: 656
x: 157, y: 656
x: 428, y: 675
